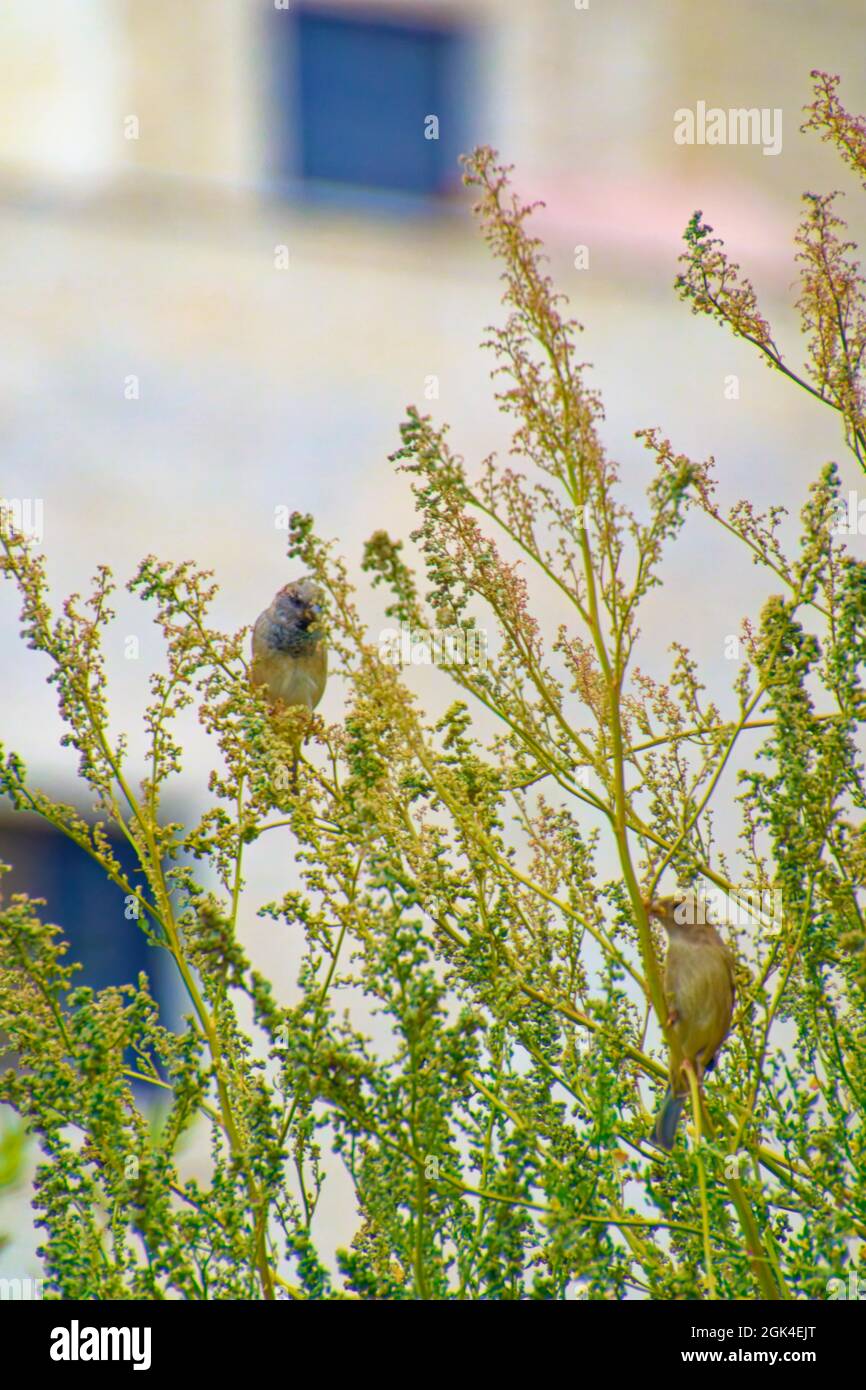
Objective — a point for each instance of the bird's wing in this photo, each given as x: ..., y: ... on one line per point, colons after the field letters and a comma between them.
x: 257, y: 641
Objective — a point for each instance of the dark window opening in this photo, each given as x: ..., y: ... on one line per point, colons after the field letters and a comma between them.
x: 372, y: 99
x: 111, y: 948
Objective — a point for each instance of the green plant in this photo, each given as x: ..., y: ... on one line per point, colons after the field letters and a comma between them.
x: 13, y: 1144
x: 479, y: 899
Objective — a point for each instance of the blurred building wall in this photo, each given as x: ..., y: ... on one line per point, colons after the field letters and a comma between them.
x: 166, y: 385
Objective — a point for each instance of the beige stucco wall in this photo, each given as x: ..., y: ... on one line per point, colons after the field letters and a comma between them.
x: 259, y: 387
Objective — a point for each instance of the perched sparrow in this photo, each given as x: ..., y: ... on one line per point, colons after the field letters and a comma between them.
x: 290, y: 658
x: 699, y: 985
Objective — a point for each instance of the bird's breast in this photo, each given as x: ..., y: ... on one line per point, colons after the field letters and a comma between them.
x: 699, y: 985
x: 296, y: 680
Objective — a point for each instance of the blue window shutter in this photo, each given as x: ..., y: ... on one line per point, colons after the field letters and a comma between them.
x: 362, y: 89
x: 90, y: 909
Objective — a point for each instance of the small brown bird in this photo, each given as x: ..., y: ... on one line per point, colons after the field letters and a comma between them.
x: 290, y: 658
x: 699, y: 986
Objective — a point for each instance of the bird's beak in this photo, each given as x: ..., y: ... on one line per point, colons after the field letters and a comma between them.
x: 653, y: 910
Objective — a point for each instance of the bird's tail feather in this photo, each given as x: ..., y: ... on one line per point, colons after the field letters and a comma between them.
x: 668, y: 1118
